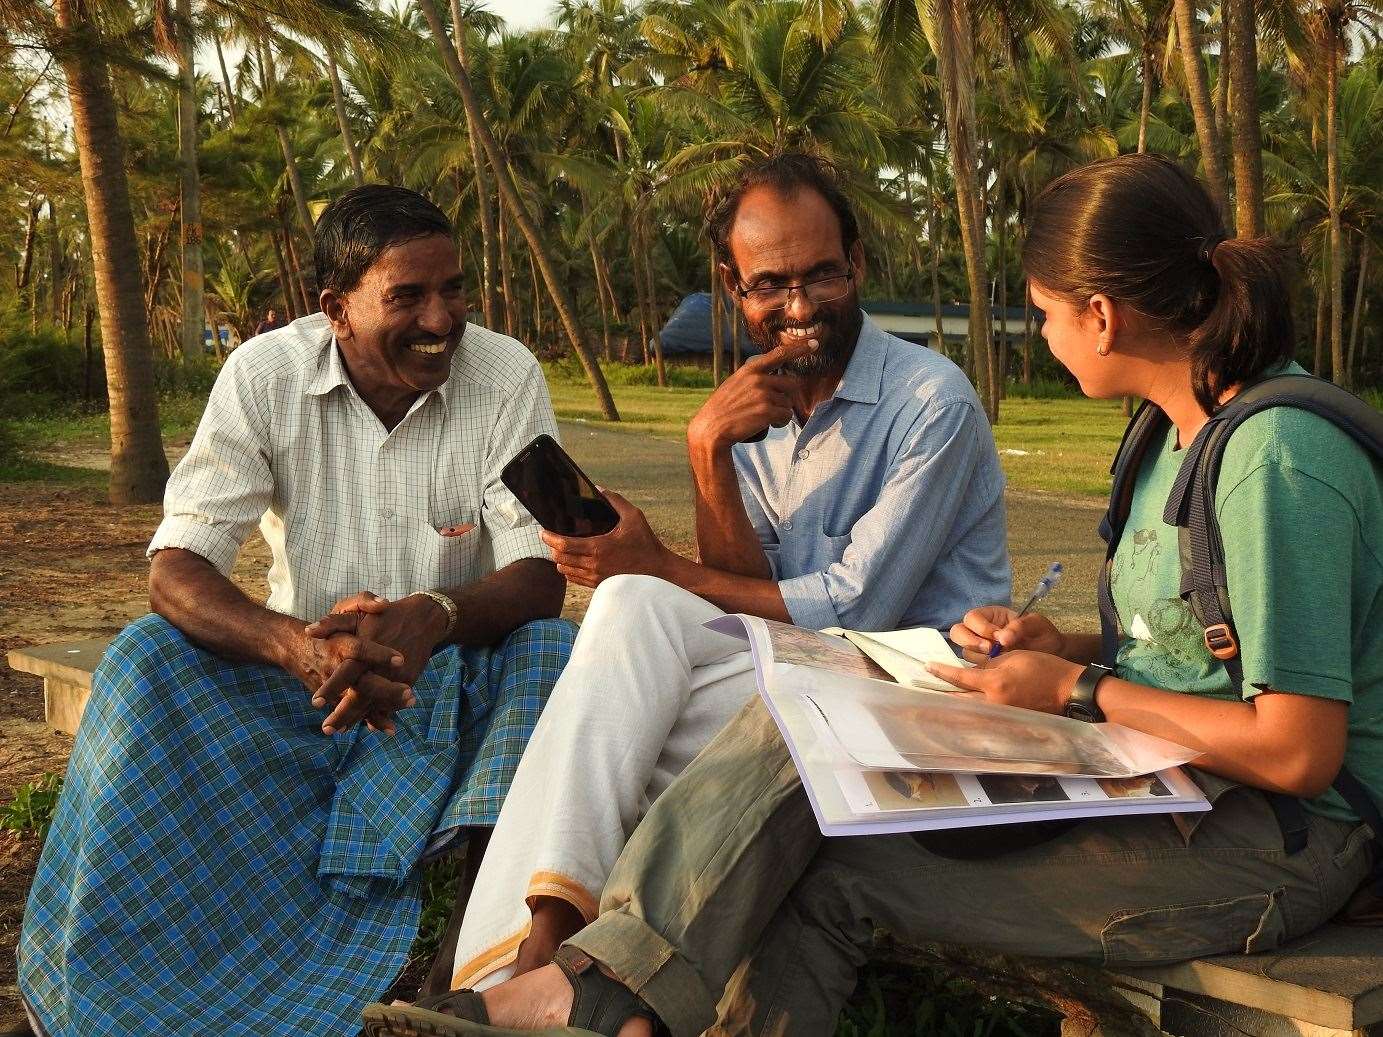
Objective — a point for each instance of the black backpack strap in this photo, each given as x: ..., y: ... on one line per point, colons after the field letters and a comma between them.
x: 1204, y: 582
x: 1191, y: 505
x: 1147, y: 426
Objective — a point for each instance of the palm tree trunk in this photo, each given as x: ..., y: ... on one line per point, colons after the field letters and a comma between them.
x: 645, y: 255
x: 1222, y: 80
x: 56, y: 265
x: 1027, y: 336
x: 290, y: 303
x: 1322, y: 307
x: 1358, y: 304
x: 956, y: 61
x: 138, y: 467
x: 506, y: 268
x: 225, y: 77
x: 338, y: 97
x: 1338, y: 374
x: 1198, y: 91
x: 193, y: 285
x: 1145, y: 106
x: 509, y: 192
x: 600, y: 298
x: 153, y: 274
x: 295, y: 271
x: 933, y: 232
x: 1247, y: 135
x: 268, y: 81
x: 1001, y: 242
x: 488, y: 238
x: 24, y: 269
x: 537, y: 302
x: 716, y: 347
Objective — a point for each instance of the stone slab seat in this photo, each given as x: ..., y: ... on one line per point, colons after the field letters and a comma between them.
x: 1326, y: 984
x: 66, y: 670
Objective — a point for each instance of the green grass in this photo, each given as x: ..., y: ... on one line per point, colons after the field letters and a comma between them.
x: 78, y: 426
x: 1048, y: 443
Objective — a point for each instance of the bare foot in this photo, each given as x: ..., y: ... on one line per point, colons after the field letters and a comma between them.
x: 539, y: 999
x: 554, y: 921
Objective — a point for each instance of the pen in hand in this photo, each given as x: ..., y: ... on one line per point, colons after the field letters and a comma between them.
x: 1044, y: 587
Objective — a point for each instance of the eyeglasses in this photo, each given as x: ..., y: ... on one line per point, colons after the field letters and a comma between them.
x: 822, y: 290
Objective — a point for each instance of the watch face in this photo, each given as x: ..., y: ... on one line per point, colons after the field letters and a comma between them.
x: 1079, y: 711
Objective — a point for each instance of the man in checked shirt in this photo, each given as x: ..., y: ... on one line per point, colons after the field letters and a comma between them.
x: 253, y: 785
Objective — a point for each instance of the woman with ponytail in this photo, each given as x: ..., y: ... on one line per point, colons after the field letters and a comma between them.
x: 728, y: 904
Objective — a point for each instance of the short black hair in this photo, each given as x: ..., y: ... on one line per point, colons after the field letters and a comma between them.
x: 355, y: 229
x: 788, y: 173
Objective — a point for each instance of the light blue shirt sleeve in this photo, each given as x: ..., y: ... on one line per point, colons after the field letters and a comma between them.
x: 894, y: 545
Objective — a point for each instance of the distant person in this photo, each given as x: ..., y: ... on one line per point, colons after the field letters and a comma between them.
x: 271, y: 322
x: 728, y: 912
x: 236, y: 850
x: 875, y: 501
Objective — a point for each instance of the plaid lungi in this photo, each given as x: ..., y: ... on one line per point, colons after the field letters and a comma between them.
x: 218, y: 866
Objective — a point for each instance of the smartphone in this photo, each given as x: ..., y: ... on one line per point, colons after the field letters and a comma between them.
x: 556, y: 492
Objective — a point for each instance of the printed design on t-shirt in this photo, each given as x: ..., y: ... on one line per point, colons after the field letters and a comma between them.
x: 1143, y: 558
x: 1164, y: 641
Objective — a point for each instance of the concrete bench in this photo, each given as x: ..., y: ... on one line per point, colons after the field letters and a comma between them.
x: 66, y: 670
x: 1327, y: 984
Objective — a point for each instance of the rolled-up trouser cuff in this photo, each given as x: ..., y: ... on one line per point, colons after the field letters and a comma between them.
x: 652, y: 968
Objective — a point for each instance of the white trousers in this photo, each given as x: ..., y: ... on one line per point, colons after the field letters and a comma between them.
x: 646, y: 688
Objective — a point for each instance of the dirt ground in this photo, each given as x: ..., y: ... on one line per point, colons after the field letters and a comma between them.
x: 72, y: 567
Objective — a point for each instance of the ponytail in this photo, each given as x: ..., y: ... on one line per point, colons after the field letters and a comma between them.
x: 1249, y: 330
x: 1143, y: 231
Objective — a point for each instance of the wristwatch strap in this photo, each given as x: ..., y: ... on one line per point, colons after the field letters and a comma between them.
x: 1081, y: 705
x: 449, y: 607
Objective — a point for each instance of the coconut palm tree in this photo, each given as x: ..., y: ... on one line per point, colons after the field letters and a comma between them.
x: 1202, y: 107
x: 1142, y: 26
x: 1329, y: 23
x: 78, y: 43
x: 1241, y: 16
x: 513, y: 202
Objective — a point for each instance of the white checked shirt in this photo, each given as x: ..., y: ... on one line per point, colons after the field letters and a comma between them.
x: 345, y: 504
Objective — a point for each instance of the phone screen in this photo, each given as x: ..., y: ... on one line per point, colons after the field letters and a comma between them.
x: 556, y: 492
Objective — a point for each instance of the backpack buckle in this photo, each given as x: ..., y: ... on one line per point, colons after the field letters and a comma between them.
x: 1219, y: 640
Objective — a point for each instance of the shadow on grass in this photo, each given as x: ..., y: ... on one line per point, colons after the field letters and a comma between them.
x: 27, y: 469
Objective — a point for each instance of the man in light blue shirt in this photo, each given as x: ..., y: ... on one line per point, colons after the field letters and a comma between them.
x: 844, y: 477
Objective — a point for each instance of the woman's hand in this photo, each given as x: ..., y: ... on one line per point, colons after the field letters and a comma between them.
x: 984, y: 627
x: 1033, y: 680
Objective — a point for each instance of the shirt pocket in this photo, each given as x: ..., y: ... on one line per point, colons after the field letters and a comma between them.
x: 447, y: 561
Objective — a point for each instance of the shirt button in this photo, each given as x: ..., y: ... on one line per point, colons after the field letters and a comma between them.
x: 803, y: 454
x: 388, y: 513
x: 787, y: 526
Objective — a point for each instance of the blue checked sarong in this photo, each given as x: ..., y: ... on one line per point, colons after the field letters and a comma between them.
x: 219, y: 866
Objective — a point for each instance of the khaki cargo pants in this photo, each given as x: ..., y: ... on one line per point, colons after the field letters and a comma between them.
x: 729, y: 905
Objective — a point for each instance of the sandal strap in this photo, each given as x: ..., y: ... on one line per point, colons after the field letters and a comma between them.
x: 599, y: 1003
x: 464, y: 1004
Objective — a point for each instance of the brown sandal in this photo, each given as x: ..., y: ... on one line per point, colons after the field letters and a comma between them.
x: 600, y: 1005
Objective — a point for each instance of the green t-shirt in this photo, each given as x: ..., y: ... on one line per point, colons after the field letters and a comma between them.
x: 1301, y: 516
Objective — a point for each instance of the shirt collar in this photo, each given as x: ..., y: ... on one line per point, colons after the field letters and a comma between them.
x: 864, y: 374
x: 331, y: 372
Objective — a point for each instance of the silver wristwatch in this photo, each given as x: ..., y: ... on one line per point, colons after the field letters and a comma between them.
x: 448, y: 606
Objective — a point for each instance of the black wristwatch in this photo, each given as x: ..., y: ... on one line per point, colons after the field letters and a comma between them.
x: 1081, y: 705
